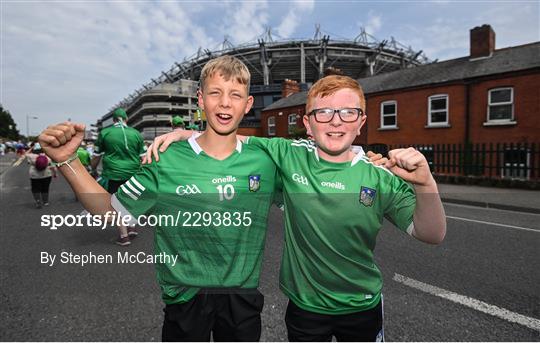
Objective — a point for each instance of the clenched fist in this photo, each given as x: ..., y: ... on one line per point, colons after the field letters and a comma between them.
x: 411, y: 165
x: 61, y: 141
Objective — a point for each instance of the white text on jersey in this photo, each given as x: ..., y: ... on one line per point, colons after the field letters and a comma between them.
x: 226, y: 179
x: 336, y: 185
x: 187, y: 189
x: 300, y: 179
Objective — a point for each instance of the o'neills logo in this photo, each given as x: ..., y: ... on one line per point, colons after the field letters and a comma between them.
x: 226, y: 179
x: 336, y: 185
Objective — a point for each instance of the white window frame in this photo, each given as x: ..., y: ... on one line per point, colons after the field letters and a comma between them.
x: 511, y: 102
x: 291, y: 124
x: 271, y: 126
x: 389, y: 102
x: 447, y: 109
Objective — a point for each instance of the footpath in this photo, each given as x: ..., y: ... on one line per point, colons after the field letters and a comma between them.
x: 491, y: 197
x: 512, y: 199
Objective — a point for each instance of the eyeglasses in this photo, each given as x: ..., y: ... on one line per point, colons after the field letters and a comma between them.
x: 347, y: 115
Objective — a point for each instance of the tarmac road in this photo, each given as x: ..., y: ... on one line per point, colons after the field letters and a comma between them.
x: 481, y: 284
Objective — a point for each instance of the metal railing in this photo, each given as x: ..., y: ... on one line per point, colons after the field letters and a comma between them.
x: 492, y: 160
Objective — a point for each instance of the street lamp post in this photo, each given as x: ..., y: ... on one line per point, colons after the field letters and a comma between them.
x: 28, y: 124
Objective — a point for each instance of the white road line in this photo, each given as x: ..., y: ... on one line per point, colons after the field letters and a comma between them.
x: 478, y: 305
x: 18, y: 161
x: 494, y: 224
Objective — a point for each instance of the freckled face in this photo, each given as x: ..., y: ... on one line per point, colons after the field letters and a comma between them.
x: 335, y: 138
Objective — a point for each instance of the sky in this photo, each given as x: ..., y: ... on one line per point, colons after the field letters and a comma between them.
x: 76, y: 59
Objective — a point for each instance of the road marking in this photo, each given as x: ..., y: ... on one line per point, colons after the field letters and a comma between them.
x: 19, y: 161
x: 495, y: 224
x: 478, y: 305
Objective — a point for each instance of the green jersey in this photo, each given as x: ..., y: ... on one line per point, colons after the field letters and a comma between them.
x: 333, y: 213
x: 122, y: 148
x: 84, y: 156
x: 217, y: 216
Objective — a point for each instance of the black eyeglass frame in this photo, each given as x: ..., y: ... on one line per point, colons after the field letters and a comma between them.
x: 360, y: 113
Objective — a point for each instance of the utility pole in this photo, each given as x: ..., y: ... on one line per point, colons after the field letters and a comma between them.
x: 28, y: 124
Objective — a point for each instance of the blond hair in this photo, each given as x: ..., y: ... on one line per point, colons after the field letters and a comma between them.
x: 227, y: 66
x: 330, y: 84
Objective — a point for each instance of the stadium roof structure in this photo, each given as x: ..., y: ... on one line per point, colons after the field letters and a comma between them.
x: 271, y: 61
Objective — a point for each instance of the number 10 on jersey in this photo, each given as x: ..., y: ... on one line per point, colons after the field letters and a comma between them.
x: 226, y: 192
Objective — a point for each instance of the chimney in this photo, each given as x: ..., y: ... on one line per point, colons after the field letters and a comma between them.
x: 482, y: 41
x: 289, y: 87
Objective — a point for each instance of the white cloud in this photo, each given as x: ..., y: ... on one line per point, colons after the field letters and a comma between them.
x: 76, y: 60
x: 513, y: 25
x: 245, y: 21
x: 293, y: 19
x: 447, y: 37
x: 305, y: 5
x: 373, y: 23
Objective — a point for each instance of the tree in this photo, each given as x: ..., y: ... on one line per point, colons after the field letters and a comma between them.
x: 8, y: 128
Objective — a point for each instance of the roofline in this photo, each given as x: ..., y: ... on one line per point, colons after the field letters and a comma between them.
x: 282, y: 108
x: 494, y: 51
x: 460, y: 81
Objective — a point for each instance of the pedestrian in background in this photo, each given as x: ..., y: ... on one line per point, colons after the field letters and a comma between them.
x: 177, y: 123
x: 122, y: 148
x: 41, y: 173
x: 84, y: 156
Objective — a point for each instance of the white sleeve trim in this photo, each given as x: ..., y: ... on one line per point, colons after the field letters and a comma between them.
x: 97, y: 153
x: 410, y: 229
x: 122, y: 211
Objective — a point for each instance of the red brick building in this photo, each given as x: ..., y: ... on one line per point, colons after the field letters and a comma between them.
x: 479, y: 114
x: 488, y: 97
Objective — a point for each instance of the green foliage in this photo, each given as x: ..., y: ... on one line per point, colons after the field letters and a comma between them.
x: 8, y: 128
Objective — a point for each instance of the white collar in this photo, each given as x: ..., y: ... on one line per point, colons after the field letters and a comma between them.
x: 197, y: 148
x: 359, y: 154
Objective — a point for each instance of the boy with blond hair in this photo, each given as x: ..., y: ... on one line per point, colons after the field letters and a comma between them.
x: 335, y: 202
x: 217, y: 191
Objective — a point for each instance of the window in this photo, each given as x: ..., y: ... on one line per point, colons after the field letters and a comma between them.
x: 516, y: 163
x: 271, y: 126
x: 389, y: 114
x: 292, y: 123
x: 438, y: 110
x: 501, y: 105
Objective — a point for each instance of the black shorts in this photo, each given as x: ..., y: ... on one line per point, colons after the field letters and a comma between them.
x: 306, y: 326
x: 229, y: 315
x: 113, y: 185
x: 40, y: 185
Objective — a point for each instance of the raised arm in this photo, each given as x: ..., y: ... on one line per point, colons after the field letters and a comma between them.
x: 429, y: 218
x: 60, y: 143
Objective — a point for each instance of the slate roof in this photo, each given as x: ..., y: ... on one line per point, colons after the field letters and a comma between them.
x: 292, y: 100
x: 505, y: 60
